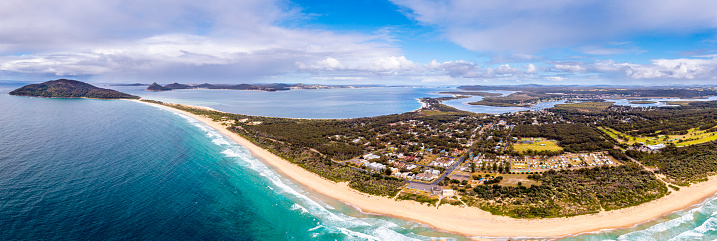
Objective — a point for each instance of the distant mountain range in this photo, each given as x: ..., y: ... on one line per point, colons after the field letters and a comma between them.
x: 262, y: 87
x: 65, y: 88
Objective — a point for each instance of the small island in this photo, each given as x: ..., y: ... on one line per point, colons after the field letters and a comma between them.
x: 65, y: 88
x: 643, y: 102
x: 473, y: 93
x: 493, y: 103
x: 156, y: 87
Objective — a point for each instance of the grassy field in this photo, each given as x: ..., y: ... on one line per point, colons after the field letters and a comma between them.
x: 692, y: 137
x: 537, y: 146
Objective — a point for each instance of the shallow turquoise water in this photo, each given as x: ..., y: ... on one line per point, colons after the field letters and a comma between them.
x: 75, y: 169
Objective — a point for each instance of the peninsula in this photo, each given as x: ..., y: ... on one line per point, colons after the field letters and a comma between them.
x: 260, y: 87
x: 571, y: 169
x: 65, y: 88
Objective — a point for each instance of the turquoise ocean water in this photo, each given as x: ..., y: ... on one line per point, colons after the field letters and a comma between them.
x: 76, y: 169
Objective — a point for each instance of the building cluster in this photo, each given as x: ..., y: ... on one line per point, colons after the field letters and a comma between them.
x: 648, y: 148
x: 482, y: 163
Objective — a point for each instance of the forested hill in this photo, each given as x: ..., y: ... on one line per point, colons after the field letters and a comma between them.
x: 65, y: 88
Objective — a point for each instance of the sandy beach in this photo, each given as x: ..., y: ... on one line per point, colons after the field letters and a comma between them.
x: 473, y: 221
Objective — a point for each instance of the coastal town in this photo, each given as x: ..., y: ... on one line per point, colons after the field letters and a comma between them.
x: 370, y: 120
x: 463, y: 161
x: 526, y: 164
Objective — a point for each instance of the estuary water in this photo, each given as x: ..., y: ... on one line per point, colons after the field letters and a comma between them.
x: 79, y: 169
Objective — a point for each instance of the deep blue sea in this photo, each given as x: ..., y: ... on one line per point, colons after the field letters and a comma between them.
x: 78, y: 169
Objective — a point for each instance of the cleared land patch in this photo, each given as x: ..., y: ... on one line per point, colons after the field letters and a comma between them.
x: 536, y: 145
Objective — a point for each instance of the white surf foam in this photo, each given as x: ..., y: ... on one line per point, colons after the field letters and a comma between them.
x: 331, y: 221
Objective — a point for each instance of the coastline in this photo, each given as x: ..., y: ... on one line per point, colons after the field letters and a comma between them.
x: 473, y: 221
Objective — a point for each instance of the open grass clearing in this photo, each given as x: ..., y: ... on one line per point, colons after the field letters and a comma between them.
x: 512, y: 180
x: 537, y: 146
x: 692, y: 137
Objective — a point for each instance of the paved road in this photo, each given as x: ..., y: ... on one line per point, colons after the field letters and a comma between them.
x: 508, y: 139
x: 428, y: 186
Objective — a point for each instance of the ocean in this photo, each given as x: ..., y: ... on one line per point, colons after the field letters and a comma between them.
x: 79, y: 169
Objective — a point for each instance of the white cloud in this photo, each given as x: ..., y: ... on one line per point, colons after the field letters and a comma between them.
x: 530, y: 69
x: 466, y: 69
x: 219, y: 39
x: 570, y: 67
x: 554, y: 78
x: 392, y: 64
x: 528, y: 26
x: 506, y: 69
x: 458, y: 68
x: 683, y: 68
x: 361, y: 66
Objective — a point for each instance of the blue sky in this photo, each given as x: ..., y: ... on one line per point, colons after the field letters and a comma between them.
x: 414, y: 42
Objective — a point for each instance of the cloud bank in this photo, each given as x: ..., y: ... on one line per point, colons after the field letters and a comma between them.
x: 528, y: 26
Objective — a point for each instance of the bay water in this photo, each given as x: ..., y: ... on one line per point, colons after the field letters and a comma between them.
x: 79, y: 169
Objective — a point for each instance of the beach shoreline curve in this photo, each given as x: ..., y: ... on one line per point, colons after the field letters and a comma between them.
x: 471, y: 221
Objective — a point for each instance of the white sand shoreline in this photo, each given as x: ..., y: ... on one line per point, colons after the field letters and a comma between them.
x: 473, y: 221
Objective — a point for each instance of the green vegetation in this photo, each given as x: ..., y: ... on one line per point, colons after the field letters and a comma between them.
x: 682, y: 165
x: 156, y: 87
x: 570, y: 192
x: 652, y: 121
x: 537, y: 146
x: 422, y: 141
x: 451, y: 201
x: 571, y: 137
x: 596, y: 92
x: 263, y: 87
x: 493, y: 103
x: 313, y: 144
x: 474, y: 93
x: 515, y: 99
x: 691, y: 137
x: 418, y: 198
x: 680, y: 103
x: 641, y: 102
x: 584, y: 106
x: 64, y: 88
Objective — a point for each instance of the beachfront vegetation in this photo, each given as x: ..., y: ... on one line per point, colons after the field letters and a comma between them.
x: 320, y: 145
x: 570, y: 192
x: 548, y: 163
x: 682, y: 165
x: 418, y: 198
